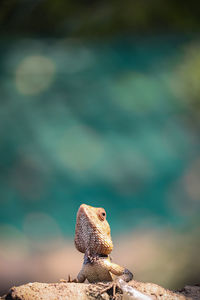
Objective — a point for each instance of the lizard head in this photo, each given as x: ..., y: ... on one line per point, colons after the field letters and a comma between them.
x: 92, y: 231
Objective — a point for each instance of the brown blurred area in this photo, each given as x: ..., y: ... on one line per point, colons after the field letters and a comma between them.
x: 163, y: 256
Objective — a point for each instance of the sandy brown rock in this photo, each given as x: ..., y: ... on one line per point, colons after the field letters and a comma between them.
x: 82, y: 291
x: 48, y: 291
x: 156, y: 291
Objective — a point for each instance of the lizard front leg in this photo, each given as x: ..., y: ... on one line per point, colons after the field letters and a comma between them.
x: 115, y: 269
x: 81, y: 276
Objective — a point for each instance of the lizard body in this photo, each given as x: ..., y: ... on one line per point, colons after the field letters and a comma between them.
x: 92, y: 237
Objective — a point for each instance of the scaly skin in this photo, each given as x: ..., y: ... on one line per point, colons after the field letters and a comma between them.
x: 93, y: 238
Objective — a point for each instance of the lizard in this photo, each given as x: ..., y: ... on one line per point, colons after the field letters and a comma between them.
x: 93, y: 238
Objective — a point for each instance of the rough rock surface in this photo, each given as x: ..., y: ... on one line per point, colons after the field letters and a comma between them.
x: 82, y: 291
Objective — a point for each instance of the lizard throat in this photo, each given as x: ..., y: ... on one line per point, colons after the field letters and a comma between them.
x: 90, y: 259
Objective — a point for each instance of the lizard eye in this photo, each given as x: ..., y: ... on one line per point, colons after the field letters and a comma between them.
x: 101, y: 214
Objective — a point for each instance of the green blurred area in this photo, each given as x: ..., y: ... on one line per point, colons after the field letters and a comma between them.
x: 98, y: 18
x: 108, y: 122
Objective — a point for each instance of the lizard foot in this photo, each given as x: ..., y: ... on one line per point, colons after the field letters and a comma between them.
x: 111, y: 288
x: 69, y: 279
x: 72, y: 280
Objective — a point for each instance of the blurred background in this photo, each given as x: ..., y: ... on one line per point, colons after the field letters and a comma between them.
x: 100, y: 104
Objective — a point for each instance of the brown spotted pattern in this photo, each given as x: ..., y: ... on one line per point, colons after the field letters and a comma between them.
x: 92, y: 234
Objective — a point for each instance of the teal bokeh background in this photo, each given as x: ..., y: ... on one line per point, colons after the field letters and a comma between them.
x: 103, y: 123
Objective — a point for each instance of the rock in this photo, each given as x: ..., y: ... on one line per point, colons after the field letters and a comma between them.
x: 48, y: 291
x: 84, y: 291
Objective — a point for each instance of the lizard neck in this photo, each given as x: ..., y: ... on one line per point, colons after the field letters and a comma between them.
x: 94, y: 257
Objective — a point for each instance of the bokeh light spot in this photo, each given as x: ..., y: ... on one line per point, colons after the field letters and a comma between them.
x: 137, y: 92
x: 34, y: 74
x: 40, y: 227
x: 80, y: 148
